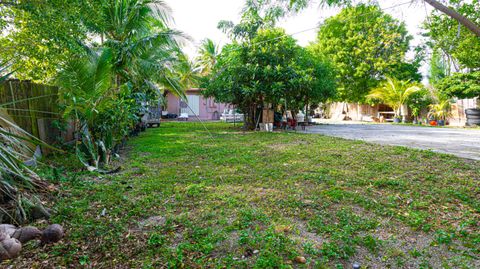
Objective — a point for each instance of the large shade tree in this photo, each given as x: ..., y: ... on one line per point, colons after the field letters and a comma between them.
x: 272, y: 69
x: 364, y: 49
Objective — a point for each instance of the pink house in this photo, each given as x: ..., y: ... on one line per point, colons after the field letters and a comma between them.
x: 204, y: 108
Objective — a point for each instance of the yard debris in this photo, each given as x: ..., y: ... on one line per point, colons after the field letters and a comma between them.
x: 12, y: 238
x: 153, y: 221
x: 9, y: 247
x: 283, y: 229
x: 300, y: 259
x: 25, y: 234
x: 52, y: 234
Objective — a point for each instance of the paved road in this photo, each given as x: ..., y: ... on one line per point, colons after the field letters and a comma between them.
x: 464, y: 143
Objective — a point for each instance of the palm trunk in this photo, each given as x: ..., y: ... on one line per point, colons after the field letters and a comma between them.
x: 455, y: 15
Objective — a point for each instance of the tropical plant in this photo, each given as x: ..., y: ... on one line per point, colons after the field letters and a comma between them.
x: 87, y: 92
x: 394, y: 93
x: 441, y: 110
x: 106, y: 88
x: 207, y: 58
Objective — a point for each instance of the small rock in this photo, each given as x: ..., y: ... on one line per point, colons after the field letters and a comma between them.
x: 256, y: 251
x: 300, y: 259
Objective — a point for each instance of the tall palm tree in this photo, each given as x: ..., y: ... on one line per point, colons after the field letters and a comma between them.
x: 143, y: 45
x: 207, y: 58
x: 394, y: 93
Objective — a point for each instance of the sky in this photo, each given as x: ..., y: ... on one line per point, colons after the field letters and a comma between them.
x: 199, y: 19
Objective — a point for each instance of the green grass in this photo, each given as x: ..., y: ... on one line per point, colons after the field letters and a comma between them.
x: 258, y: 200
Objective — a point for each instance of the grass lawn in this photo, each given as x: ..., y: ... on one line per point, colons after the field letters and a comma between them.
x: 243, y: 200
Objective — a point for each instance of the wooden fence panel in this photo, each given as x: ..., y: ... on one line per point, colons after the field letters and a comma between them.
x: 34, y: 107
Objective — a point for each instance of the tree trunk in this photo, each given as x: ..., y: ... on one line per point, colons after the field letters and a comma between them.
x: 455, y: 15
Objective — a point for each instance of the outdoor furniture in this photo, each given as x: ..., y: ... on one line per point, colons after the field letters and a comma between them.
x: 385, y: 115
x: 231, y: 116
x: 183, y: 116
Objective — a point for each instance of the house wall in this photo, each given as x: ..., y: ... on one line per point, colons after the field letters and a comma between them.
x: 209, y: 109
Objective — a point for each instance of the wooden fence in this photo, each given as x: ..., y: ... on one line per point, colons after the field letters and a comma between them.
x: 34, y: 108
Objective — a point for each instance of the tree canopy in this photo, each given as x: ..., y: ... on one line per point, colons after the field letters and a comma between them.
x: 273, y: 69
x: 453, y: 40
x: 364, y: 49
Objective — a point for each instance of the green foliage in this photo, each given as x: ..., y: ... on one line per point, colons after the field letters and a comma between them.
x: 439, y: 69
x: 394, y: 93
x: 207, y: 58
x: 461, y: 85
x: 441, y: 110
x: 258, y: 15
x: 104, y: 86
x: 454, y: 40
x: 420, y: 101
x: 273, y: 69
x: 364, y: 49
x: 45, y: 34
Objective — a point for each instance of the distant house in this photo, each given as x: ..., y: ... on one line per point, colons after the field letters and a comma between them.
x: 204, y: 108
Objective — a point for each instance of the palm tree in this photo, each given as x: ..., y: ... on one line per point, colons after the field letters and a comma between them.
x: 207, y: 58
x: 144, y: 47
x: 394, y: 93
x: 87, y: 91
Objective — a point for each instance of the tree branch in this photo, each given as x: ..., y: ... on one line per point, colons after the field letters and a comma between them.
x: 455, y: 15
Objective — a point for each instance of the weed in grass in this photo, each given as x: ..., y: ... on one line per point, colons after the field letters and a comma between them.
x: 224, y: 199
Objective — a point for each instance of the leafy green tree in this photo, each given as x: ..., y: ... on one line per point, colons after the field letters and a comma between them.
x: 272, y: 69
x: 41, y: 35
x: 440, y: 7
x: 461, y: 85
x: 439, y: 69
x: 364, y: 49
x: 257, y: 15
x: 454, y: 41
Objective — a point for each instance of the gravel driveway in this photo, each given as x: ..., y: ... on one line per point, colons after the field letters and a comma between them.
x: 464, y: 143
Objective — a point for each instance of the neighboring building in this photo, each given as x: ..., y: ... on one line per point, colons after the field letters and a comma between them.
x: 358, y: 112
x: 204, y: 108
